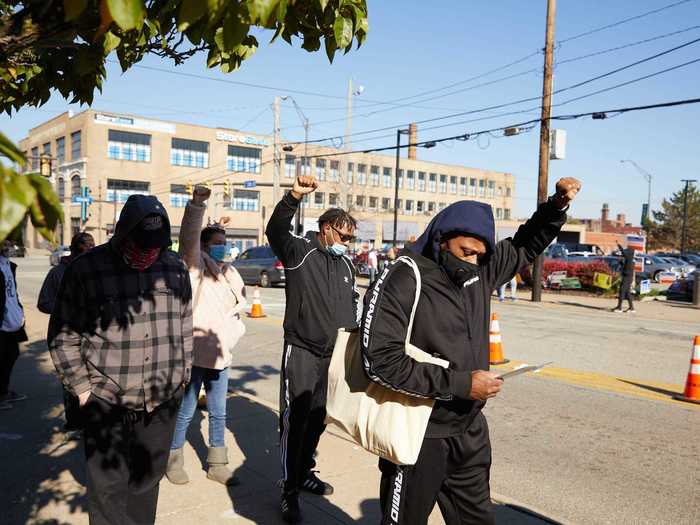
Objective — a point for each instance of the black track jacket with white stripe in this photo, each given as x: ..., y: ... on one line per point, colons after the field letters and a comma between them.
x: 321, y: 296
x: 450, y: 323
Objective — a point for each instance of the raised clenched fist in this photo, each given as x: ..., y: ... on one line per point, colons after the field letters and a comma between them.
x: 304, y: 185
x: 200, y: 194
x: 224, y: 221
x: 566, y: 191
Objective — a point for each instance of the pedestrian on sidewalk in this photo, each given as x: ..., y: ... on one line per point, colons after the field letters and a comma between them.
x: 11, y: 326
x: 627, y: 261
x: 219, y: 298
x: 120, y: 337
x: 81, y: 243
x: 460, y: 265
x: 372, y: 265
x: 513, y: 289
x: 321, y: 297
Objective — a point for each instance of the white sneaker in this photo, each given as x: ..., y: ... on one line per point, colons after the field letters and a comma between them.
x: 618, y: 310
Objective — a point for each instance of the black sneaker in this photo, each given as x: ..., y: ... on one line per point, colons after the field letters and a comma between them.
x: 291, y: 513
x: 316, y: 486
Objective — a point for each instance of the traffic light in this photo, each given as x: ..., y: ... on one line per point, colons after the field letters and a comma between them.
x: 227, y: 189
x: 188, y: 187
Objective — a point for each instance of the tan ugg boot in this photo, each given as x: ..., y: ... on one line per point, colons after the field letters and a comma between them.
x: 217, y: 459
x: 175, y: 471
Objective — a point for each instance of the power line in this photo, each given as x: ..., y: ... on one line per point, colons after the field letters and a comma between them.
x: 515, y: 102
x: 623, y: 21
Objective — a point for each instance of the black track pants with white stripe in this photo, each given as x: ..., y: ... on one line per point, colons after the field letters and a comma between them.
x: 453, y: 471
x: 303, y: 384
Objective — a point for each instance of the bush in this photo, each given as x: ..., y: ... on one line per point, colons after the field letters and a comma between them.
x: 583, y: 270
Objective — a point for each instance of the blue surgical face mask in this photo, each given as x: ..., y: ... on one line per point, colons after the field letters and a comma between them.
x: 337, y: 249
x: 217, y: 252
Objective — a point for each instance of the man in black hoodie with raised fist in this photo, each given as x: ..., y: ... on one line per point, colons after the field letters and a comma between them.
x: 460, y: 265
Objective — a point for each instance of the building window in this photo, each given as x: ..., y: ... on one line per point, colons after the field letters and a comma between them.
x: 432, y: 182
x: 242, y: 159
x: 35, y: 158
x: 410, y: 180
x: 351, y: 171
x: 507, y: 192
x: 499, y: 192
x: 374, y: 175
x: 46, y: 149
x: 420, y: 206
x: 305, y: 166
x: 192, y: 153
x: 350, y: 201
x: 453, y: 185
x: 462, y: 185
x: 321, y: 169
x: 319, y: 199
x: 421, y: 181
x: 333, y: 200
x: 74, y: 226
x: 61, y: 188
x: 121, y: 190
x: 499, y: 213
x: 442, y: 206
x: 506, y: 214
x: 443, y: 183
x: 335, y: 169
x: 386, y: 203
x: 409, y: 207
x: 472, y: 187
x: 290, y: 166
x: 61, y: 150
x: 373, y: 201
x: 125, y: 145
x: 492, y: 189
x: 399, y: 205
x: 245, y: 200
x: 75, y: 186
x: 386, y: 177
x: 179, y: 196
x: 360, y: 201
x: 431, y: 207
x: 401, y: 176
x: 362, y: 174
x: 482, y: 187
x: 75, y: 145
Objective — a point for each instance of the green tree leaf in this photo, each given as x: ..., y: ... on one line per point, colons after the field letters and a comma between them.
x: 234, y: 31
x: 261, y: 11
x: 190, y: 13
x: 9, y: 150
x: 128, y: 14
x: 16, y: 196
x: 331, y: 48
x: 45, y: 211
x: 342, y: 28
x: 111, y: 42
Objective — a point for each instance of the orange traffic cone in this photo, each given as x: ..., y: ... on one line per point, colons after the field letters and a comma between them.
x: 495, y: 345
x: 692, y: 384
x: 256, y: 309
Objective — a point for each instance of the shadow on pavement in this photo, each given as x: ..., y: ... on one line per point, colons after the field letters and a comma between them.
x: 41, y: 469
x: 248, y: 374
x: 588, y: 306
x: 662, y: 391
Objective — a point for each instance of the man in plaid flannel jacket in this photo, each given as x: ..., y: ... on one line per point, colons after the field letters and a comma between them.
x: 120, y: 337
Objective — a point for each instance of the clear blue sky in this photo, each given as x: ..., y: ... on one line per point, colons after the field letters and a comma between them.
x: 416, y: 46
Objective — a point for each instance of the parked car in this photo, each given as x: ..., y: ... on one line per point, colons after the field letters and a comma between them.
x: 682, y: 289
x: 684, y: 267
x: 261, y: 266
x: 564, y: 249
x: 55, y: 257
x: 654, y: 266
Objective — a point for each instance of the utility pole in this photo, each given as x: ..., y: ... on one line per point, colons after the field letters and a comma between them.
x: 277, y: 154
x: 544, y: 137
x: 348, y: 118
x: 399, y: 132
x: 684, y: 229
x: 648, y: 178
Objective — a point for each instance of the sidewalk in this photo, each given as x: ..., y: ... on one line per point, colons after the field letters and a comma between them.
x: 44, y: 475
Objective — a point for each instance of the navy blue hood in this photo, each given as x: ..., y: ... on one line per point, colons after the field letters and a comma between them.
x: 469, y: 217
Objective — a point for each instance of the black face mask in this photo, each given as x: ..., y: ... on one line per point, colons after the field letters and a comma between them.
x: 458, y: 271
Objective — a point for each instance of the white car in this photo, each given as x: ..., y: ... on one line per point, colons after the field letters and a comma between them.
x: 55, y: 257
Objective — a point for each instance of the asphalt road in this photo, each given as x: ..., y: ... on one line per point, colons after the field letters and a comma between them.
x: 595, y: 439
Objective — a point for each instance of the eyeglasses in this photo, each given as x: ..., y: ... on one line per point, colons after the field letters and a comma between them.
x: 343, y: 236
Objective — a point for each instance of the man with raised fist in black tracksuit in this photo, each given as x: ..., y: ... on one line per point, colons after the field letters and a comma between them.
x: 321, y: 297
x: 460, y: 265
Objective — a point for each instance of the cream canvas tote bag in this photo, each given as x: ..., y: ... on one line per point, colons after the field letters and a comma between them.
x: 383, y: 421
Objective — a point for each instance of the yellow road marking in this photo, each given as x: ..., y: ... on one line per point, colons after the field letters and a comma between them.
x: 608, y: 383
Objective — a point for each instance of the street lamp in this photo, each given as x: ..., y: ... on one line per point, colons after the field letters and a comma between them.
x: 399, y: 132
x: 305, y: 121
x: 647, y: 176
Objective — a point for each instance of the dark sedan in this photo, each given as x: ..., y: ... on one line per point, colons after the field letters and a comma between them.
x: 259, y: 265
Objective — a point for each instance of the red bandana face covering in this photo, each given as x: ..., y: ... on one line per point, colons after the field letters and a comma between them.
x: 139, y: 258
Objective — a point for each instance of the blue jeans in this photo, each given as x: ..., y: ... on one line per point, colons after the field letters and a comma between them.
x: 216, y: 387
x: 513, y: 288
